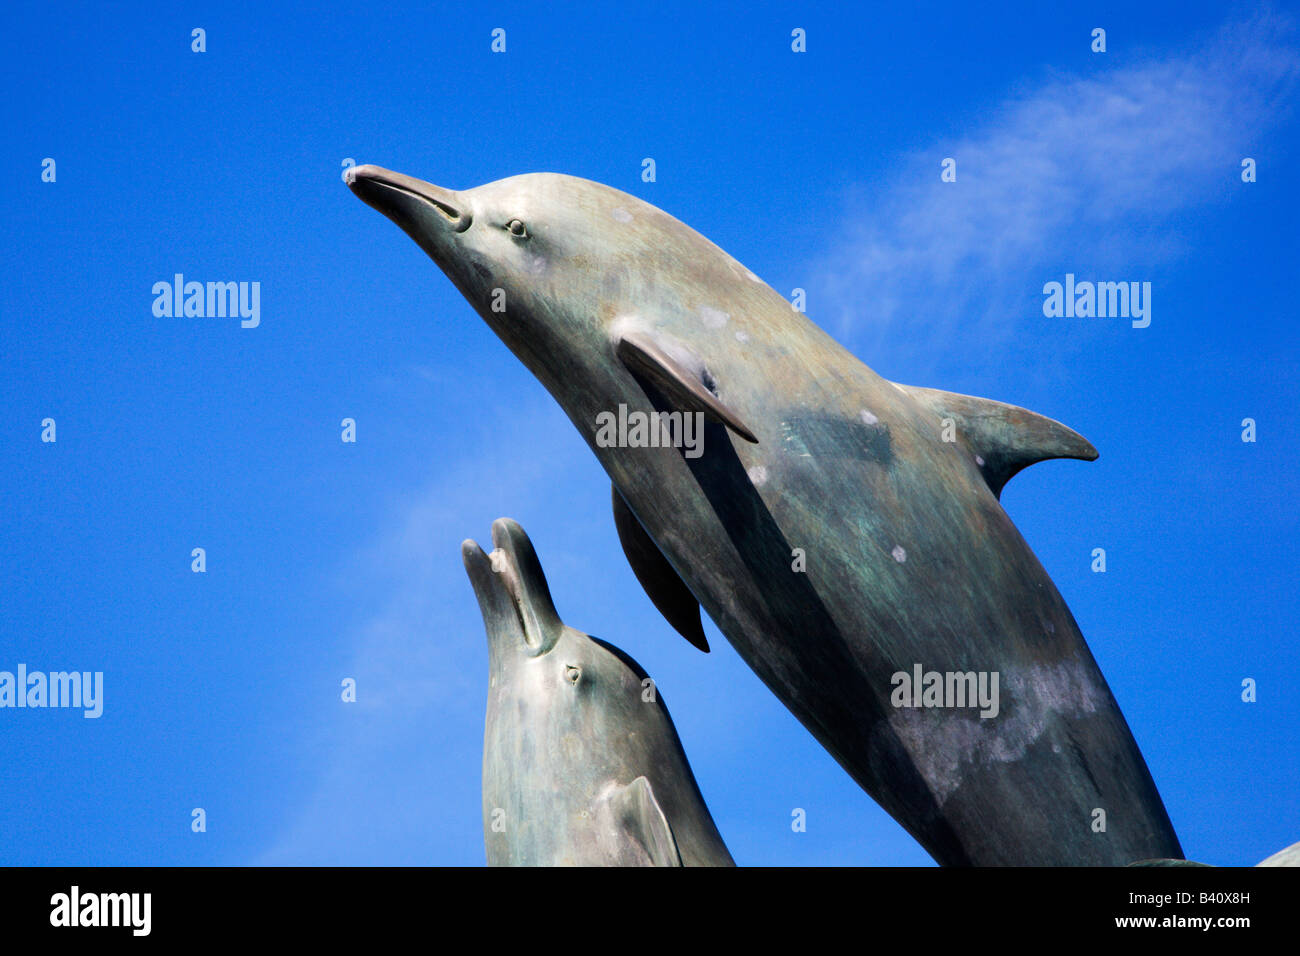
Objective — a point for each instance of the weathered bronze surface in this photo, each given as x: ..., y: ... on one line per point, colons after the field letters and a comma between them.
x: 581, y: 763
x: 1287, y: 857
x: 829, y: 529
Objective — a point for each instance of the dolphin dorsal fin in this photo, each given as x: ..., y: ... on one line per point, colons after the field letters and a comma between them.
x: 1006, y: 437
x: 637, y: 810
x: 645, y: 358
x: 660, y: 582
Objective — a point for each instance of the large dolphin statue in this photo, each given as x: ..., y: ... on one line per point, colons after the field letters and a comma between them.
x: 582, y: 765
x: 843, y: 531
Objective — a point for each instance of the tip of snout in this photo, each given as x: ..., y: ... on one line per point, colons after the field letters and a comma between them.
x: 357, y: 176
x: 479, y: 568
x: 508, y: 532
x: 471, y: 553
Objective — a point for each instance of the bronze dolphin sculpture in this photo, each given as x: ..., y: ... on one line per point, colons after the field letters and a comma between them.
x: 841, y: 530
x: 1286, y: 857
x: 582, y: 765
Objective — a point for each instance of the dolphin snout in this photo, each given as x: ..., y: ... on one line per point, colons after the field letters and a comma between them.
x: 394, y: 194
x: 512, y: 590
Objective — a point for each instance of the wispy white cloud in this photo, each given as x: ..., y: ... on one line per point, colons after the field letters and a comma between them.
x: 1081, y: 171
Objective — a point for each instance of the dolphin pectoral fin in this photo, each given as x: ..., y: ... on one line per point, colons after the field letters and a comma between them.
x: 1006, y: 438
x: 645, y: 358
x: 638, y: 812
x: 661, y: 583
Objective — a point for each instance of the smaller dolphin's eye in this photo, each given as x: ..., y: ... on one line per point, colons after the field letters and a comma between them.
x: 517, y: 228
x: 572, y: 673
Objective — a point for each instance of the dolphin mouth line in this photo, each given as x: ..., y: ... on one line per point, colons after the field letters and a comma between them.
x: 453, y: 215
x: 459, y: 219
x: 514, y: 590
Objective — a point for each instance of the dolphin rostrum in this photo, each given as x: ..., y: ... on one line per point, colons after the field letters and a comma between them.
x: 581, y: 762
x: 843, y: 531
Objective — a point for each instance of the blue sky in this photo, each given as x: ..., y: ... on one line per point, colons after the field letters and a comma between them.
x: 818, y: 170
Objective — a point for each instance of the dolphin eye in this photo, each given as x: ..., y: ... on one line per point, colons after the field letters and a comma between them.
x: 572, y: 673
x: 518, y: 229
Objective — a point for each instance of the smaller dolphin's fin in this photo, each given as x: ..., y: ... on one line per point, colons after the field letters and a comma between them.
x: 661, y: 583
x: 643, y: 357
x: 1007, y: 438
x: 637, y: 810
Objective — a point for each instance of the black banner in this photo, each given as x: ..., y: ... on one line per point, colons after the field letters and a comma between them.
x: 333, y: 905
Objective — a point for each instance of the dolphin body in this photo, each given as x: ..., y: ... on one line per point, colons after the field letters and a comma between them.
x: 1290, y: 856
x: 839, y: 528
x: 581, y: 763
x: 1286, y: 857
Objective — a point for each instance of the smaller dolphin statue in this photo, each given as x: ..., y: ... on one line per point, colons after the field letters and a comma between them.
x: 582, y: 765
